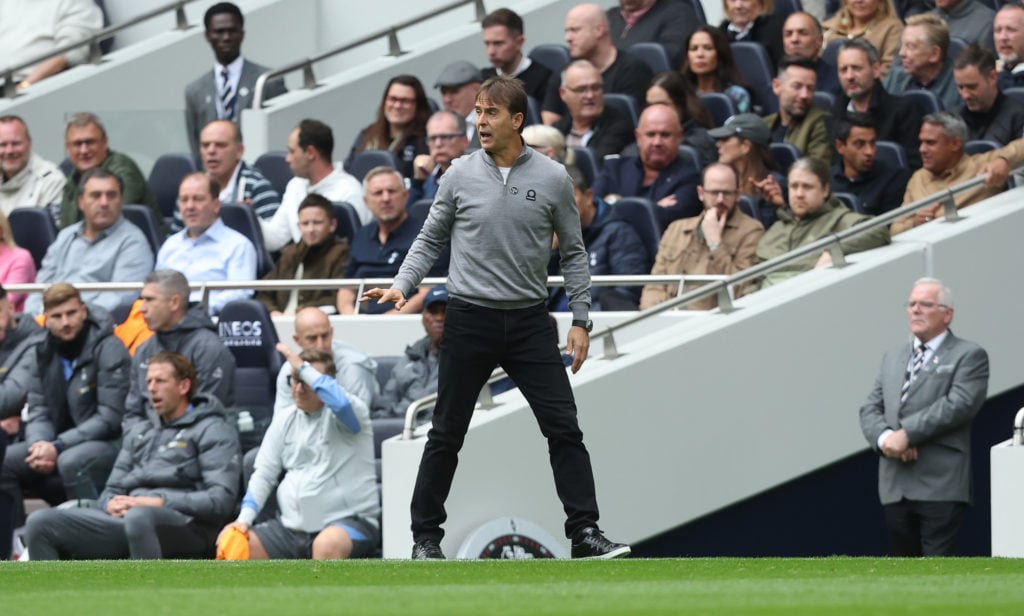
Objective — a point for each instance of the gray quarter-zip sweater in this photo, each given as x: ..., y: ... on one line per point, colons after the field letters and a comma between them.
x: 501, y: 233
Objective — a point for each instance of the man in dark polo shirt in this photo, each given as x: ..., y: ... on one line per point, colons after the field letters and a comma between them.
x: 379, y: 247
x: 878, y: 187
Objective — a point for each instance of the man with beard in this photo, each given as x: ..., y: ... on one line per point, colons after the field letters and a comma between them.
x: 798, y: 121
x: 879, y: 188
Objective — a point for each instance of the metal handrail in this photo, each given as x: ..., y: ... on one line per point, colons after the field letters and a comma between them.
x: 394, y: 48
x: 93, y: 42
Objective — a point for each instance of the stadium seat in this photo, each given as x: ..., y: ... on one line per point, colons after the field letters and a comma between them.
x: 925, y: 99
x: 698, y: 8
x: 824, y: 100
x: 653, y: 54
x: 275, y: 168
x: 385, y: 364
x: 241, y: 218
x: 370, y: 159
x: 850, y: 200
x: 978, y: 146
x: 831, y: 52
x: 348, y: 221
x: 553, y: 56
x: 785, y: 8
x: 752, y: 61
x: 587, y: 162
x: 955, y: 45
x: 142, y: 217
x: 33, y: 230
x: 420, y: 209
x: 891, y: 154
x: 639, y: 213
x: 719, y: 105
x: 746, y: 205
x: 784, y: 154
x: 690, y: 153
x: 1016, y: 94
x: 624, y: 103
x: 532, y: 111
x: 246, y: 329
x: 164, y: 178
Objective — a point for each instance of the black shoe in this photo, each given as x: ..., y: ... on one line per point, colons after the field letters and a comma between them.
x: 591, y: 543
x: 427, y: 549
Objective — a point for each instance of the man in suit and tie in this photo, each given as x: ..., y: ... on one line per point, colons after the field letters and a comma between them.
x: 918, y: 417
x: 222, y: 93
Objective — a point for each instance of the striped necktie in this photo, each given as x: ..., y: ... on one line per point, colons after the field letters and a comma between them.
x: 915, y: 367
x: 227, y: 97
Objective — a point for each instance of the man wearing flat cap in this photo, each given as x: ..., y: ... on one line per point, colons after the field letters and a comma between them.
x: 458, y: 83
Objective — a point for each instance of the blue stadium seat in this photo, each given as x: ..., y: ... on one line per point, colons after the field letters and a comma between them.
x: 639, y: 213
x: 275, y: 168
x: 785, y: 8
x: 978, y: 146
x: 785, y: 154
x: 752, y: 61
x: 532, y: 111
x: 142, y: 217
x: 370, y: 159
x: 420, y: 209
x: 553, y: 56
x: 925, y: 99
x: 719, y: 105
x: 246, y: 329
x: 348, y: 221
x: 653, y: 54
x: 586, y: 160
x: 698, y: 8
x: 746, y: 205
x: 891, y: 154
x: 164, y: 178
x: 385, y: 364
x: 33, y: 230
x: 623, y: 103
x: 824, y: 100
x: 690, y: 153
x: 241, y: 218
x: 850, y: 200
x: 955, y: 45
x: 831, y: 52
x: 1016, y: 94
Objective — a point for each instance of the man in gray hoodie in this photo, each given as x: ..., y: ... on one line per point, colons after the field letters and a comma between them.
x: 500, y: 208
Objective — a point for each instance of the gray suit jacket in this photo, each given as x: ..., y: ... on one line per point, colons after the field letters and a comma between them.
x: 201, y: 98
x: 937, y: 415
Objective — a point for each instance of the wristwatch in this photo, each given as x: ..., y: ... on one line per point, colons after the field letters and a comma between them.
x: 587, y: 325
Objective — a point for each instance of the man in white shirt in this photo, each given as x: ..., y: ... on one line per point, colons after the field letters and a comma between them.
x: 26, y: 179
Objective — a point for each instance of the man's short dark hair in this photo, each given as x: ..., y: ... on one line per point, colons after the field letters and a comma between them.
x: 845, y: 124
x: 974, y: 55
x: 98, y: 173
x: 181, y: 366
x: 507, y: 91
x: 798, y: 61
x: 58, y: 293
x: 222, y: 8
x: 319, y: 201
x: 504, y: 17
x: 317, y: 134
x: 320, y: 356
x: 864, y: 45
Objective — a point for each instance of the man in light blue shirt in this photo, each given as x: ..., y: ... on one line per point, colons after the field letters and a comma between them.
x: 206, y: 249
x: 102, y: 247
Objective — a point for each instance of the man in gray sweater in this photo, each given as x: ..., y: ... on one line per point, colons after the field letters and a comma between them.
x: 499, y: 207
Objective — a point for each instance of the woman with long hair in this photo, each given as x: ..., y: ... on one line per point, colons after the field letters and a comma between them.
x: 709, y: 67
x: 16, y: 264
x: 401, y: 125
x: 876, y: 21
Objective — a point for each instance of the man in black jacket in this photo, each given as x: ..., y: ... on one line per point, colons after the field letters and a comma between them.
x: 19, y: 334
x: 589, y: 121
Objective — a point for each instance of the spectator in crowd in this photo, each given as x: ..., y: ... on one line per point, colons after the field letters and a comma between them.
x: 182, y: 329
x: 310, y: 148
x: 588, y: 36
x: 86, y: 142
x: 709, y: 67
x: 76, y: 395
x: 897, y: 119
x: 380, y: 247
x: 1008, y: 33
x: 613, y: 247
x: 753, y: 21
x: 446, y: 136
x: 19, y: 335
x: 160, y: 502
x: 671, y: 88
x: 666, y: 22
x: 875, y: 21
x: 945, y: 164
x: 799, y: 122
x: 26, y: 178
x: 401, y: 124
x: 503, y: 42
x: 459, y: 82
x: 415, y: 376
x: 32, y: 28
x: 588, y: 122
x: 802, y: 35
x: 550, y: 142
x: 322, y: 438
x: 924, y: 64
x: 743, y: 143
x: 988, y: 113
x: 102, y: 247
x: 356, y: 371
x: 812, y: 214
x: 319, y: 254
x: 206, y: 249
x: 222, y: 149
x: 721, y: 240
x: 918, y: 419
x: 878, y: 188
x: 16, y: 265
x: 659, y: 173
x: 223, y: 92
x: 969, y: 20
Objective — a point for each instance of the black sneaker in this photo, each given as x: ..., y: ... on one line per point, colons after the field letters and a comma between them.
x: 591, y: 543
x: 427, y: 549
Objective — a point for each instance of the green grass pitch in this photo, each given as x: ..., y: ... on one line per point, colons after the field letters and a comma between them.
x: 638, y: 586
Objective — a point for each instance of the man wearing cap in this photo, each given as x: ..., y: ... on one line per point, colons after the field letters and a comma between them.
x: 415, y: 377
x: 459, y: 82
x: 743, y: 142
x: 447, y: 141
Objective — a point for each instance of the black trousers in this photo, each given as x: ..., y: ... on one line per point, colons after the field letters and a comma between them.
x: 476, y: 340
x: 923, y: 528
